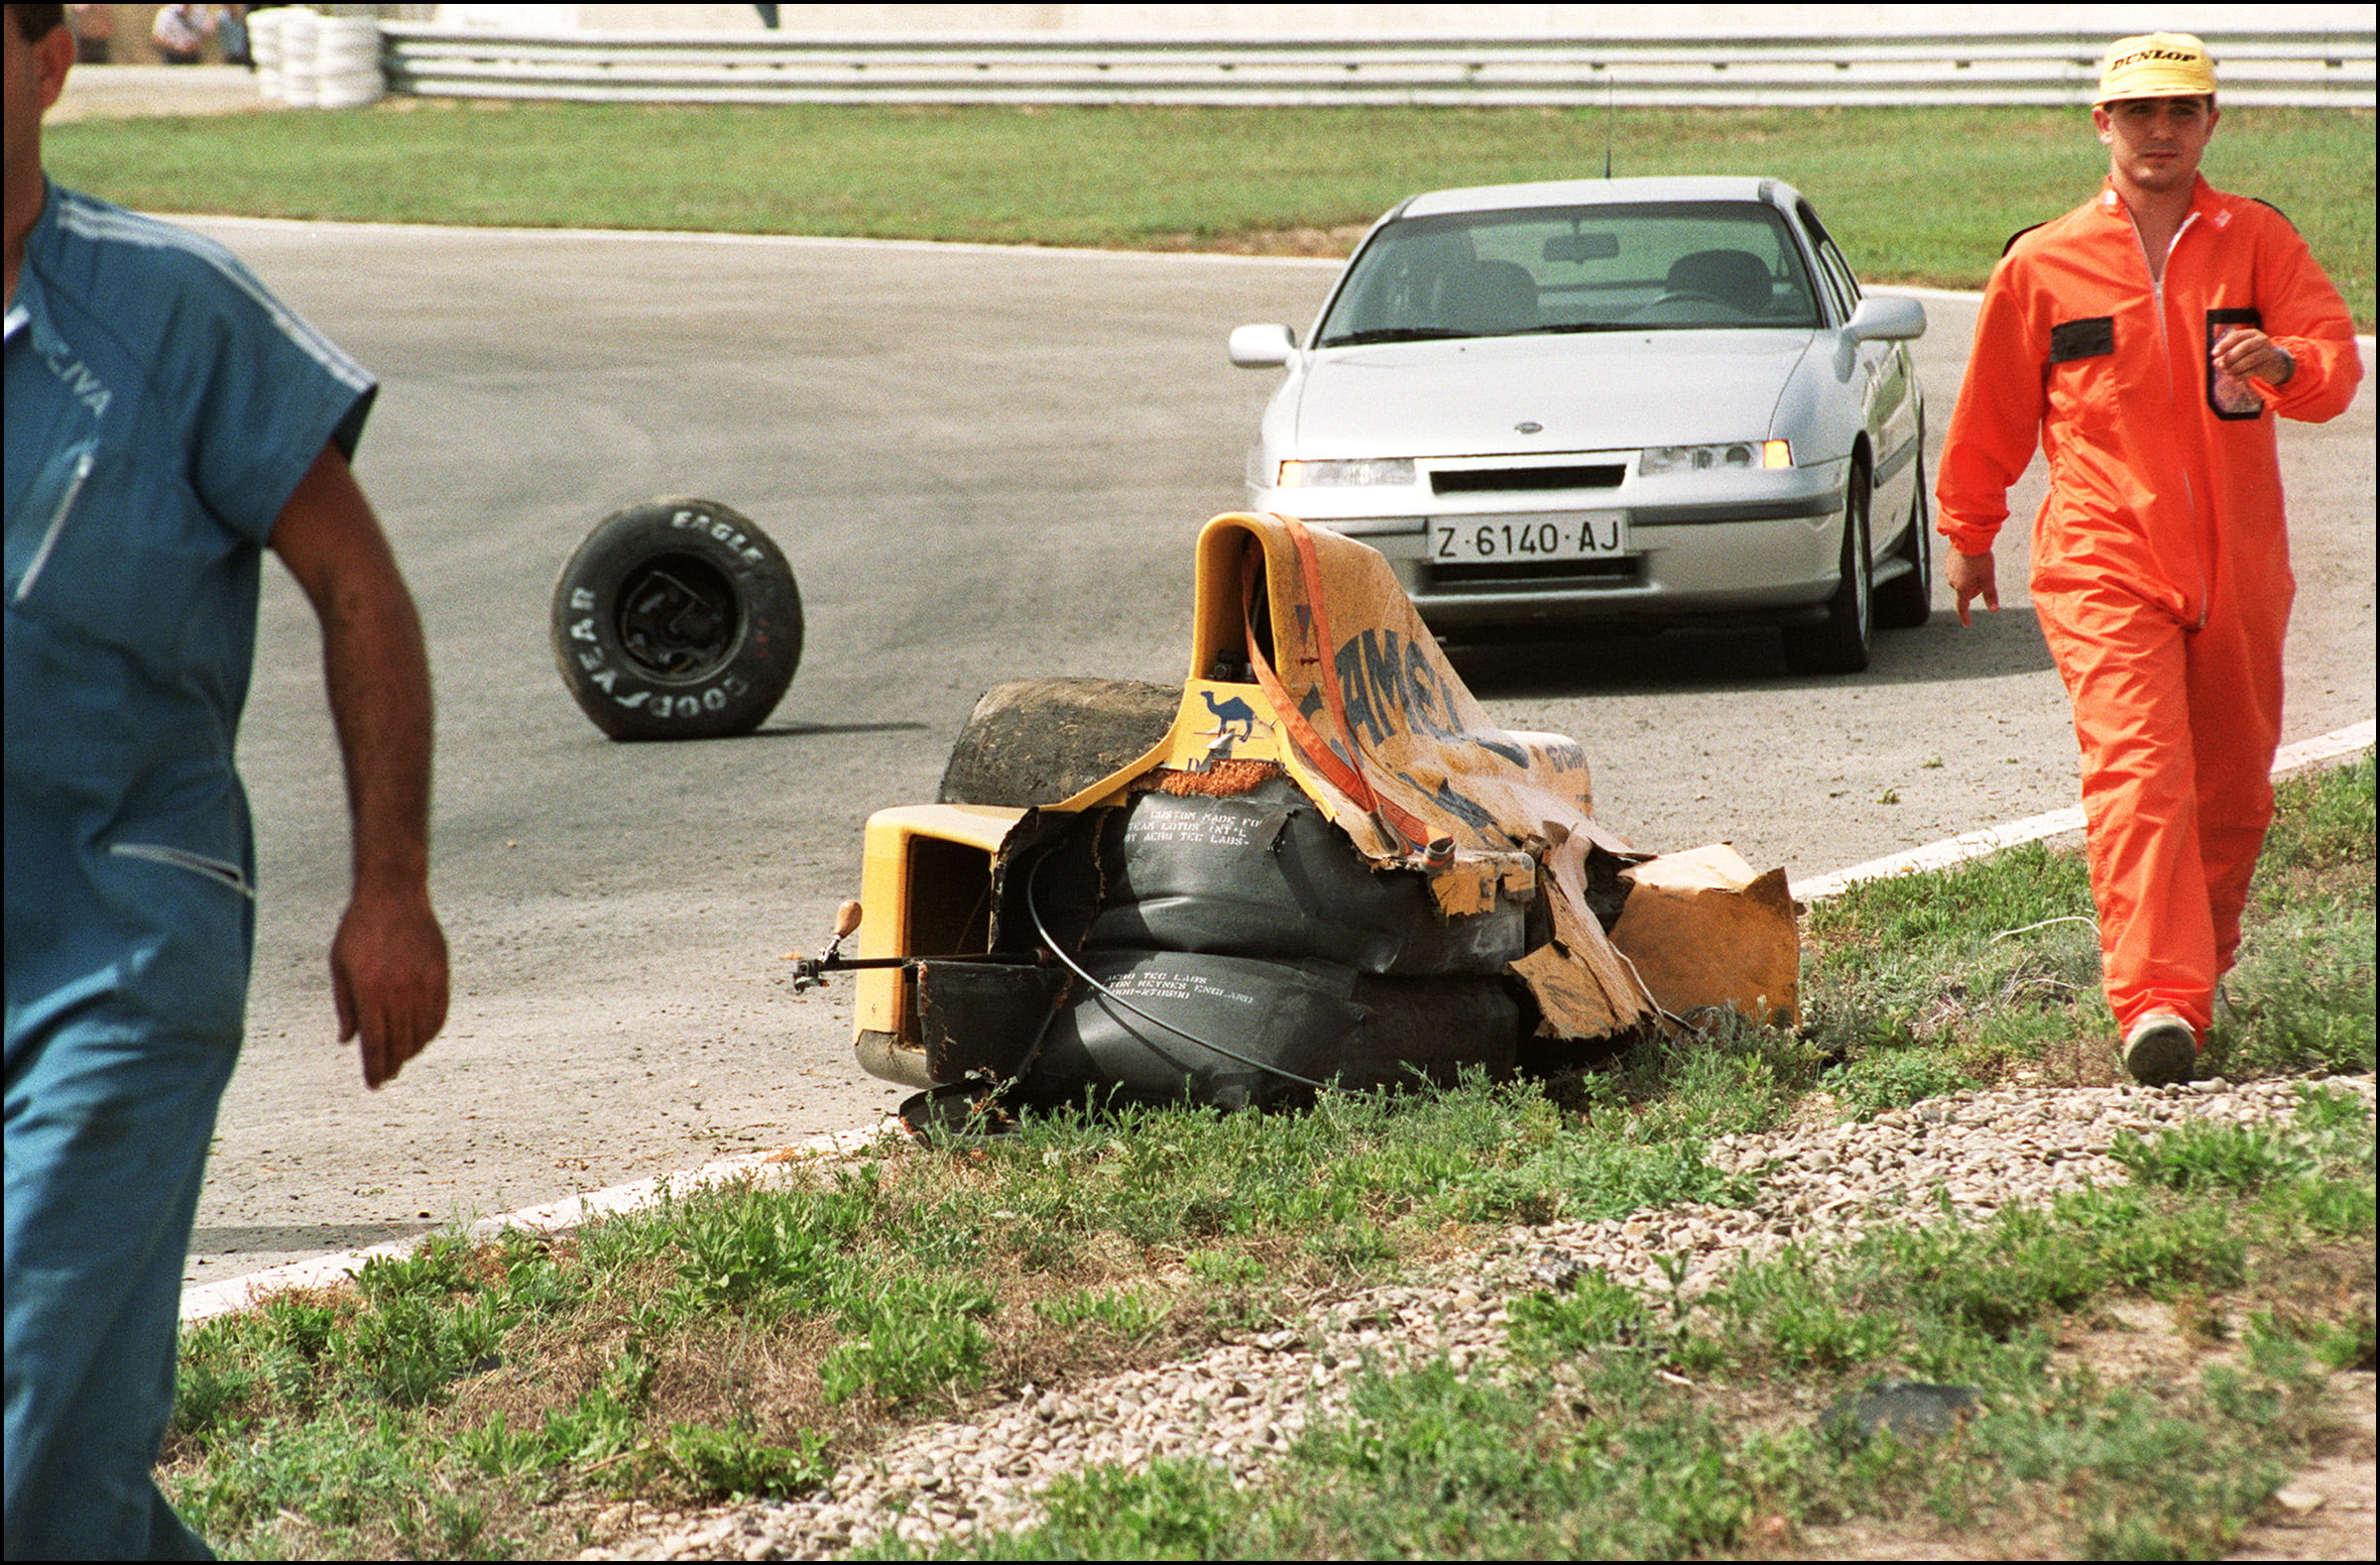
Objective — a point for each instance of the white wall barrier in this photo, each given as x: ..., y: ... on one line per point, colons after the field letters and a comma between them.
x: 2308, y: 69
x: 339, y: 61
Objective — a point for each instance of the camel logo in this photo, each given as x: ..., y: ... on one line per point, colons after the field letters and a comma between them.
x: 1235, y: 718
x: 1235, y: 724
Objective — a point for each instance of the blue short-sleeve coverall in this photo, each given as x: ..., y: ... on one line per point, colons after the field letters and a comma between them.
x: 161, y: 409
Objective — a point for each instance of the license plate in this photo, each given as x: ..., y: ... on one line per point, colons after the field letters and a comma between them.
x: 1578, y: 535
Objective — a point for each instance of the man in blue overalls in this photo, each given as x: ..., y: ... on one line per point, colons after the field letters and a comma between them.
x: 167, y: 421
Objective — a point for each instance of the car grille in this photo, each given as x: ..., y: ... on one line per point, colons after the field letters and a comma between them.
x: 1621, y: 570
x: 1488, y: 480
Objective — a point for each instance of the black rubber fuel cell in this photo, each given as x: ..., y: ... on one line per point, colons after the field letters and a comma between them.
x: 1252, y: 1028
x: 982, y: 1017
x: 1266, y: 874
x: 1255, y: 1027
x: 1420, y: 1032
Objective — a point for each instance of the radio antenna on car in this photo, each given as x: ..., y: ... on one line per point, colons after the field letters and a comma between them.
x: 1609, y: 113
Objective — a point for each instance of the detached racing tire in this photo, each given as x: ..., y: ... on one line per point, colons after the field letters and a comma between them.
x: 676, y: 618
x: 1037, y: 741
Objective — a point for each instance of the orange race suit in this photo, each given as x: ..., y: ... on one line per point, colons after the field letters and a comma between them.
x: 2160, y: 559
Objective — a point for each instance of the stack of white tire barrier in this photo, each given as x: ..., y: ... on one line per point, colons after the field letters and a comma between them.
x: 263, y: 48
x: 310, y: 61
x: 347, y: 56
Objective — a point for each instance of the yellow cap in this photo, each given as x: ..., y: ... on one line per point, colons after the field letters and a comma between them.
x: 2156, y: 65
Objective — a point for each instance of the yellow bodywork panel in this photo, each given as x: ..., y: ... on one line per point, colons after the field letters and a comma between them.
x: 1380, y: 732
x: 926, y: 882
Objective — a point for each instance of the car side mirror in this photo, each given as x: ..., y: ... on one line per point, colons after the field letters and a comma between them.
x: 1887, y: 321
x: 1261, y: 347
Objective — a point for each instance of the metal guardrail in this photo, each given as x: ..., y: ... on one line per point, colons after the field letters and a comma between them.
x: 2298, y: 69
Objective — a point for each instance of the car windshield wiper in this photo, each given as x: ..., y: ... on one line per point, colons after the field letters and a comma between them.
x: 1354, y: 339
x: 1567, y: 326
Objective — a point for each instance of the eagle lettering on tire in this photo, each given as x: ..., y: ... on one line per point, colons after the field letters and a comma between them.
x: 676, y: 618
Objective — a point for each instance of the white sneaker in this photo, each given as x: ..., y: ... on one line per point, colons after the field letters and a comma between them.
x: 2160, y: 1048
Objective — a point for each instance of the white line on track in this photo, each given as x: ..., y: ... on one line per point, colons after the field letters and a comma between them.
x: 209, y: 1299
x: 1990, y: 839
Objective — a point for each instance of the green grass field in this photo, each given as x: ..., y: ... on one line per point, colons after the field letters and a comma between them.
x: 1914, y: 195
x: 507, y: 1399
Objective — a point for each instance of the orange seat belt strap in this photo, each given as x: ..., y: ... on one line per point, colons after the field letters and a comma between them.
x: 1347, y: 775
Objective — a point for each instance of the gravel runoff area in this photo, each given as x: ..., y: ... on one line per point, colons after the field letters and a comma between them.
x: 1241, y: 1403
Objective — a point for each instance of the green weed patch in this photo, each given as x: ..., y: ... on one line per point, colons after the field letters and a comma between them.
x: 1990, y: 972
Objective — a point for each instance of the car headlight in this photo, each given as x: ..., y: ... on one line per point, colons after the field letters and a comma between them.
x: 1703, y: 458
x: 1367, y: 470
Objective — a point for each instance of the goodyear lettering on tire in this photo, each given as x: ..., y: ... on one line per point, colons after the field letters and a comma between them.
x: 676, y: 618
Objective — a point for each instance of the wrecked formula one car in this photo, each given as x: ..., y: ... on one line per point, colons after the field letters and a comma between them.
x: 1318, y: 862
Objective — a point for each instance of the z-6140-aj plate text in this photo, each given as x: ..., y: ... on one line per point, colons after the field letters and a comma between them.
x: 1590, y: 535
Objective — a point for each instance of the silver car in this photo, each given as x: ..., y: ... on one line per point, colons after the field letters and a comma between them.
x: 1603, y: 402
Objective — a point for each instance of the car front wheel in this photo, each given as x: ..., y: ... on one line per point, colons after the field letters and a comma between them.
x: 1907, y: 601
x: 1840, y: 642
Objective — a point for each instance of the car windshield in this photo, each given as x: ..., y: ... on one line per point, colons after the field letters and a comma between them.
x: 1651, y: 267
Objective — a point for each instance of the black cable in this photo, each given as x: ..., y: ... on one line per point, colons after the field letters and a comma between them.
x: 1033, y: 882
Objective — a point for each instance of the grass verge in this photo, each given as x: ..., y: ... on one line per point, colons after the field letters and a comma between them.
x: 1988, y: 972
x: 1914, y: 195
x: 508, y: 1399
x: 1617, y: 1434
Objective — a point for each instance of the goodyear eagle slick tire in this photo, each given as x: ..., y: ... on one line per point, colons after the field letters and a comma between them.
x: 1037, y: 741
x: 676, y: 618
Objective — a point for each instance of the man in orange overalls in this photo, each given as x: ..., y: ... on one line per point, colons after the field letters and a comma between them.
x: 2148, y: 337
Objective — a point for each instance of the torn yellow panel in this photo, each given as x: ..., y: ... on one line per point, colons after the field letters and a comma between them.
x: 1471, y: 883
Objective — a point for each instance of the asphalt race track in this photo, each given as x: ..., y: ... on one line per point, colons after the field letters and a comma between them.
x: 983, y: 465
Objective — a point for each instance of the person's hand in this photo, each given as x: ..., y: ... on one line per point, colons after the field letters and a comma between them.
x: 388, y: 975
x: 2243, y: 352
x: 1970, y: 577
